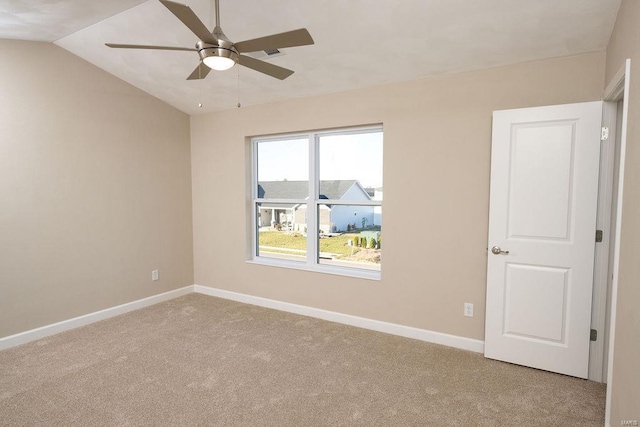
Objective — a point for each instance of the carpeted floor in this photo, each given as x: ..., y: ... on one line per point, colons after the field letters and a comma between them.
x: 199, y: 360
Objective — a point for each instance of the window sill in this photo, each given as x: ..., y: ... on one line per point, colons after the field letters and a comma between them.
x: 318, y: 268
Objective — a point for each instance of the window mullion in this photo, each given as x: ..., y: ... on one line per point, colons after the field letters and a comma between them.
x: 312, y: 207
x: 352, y: 202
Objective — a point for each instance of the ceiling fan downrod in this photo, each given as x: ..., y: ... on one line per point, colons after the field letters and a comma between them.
x: 217, y: 6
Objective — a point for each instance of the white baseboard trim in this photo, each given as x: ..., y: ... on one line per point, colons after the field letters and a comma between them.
x: 332, y: 316
x: 347, y: 319
x: 76, y: 322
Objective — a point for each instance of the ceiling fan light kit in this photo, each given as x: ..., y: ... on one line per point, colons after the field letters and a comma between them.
x: 216, y: 57
x: 217, y: 52
x: 218, y: 62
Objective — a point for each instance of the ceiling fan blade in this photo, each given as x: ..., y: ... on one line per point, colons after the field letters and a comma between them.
x: 265, y: 67
x: 188, y: 18
x: 142, y: 46
x: 200, y: 72
x: 293, y: 38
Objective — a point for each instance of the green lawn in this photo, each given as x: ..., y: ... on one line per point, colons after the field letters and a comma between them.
x: 338, y: 245
x: 278, y: 239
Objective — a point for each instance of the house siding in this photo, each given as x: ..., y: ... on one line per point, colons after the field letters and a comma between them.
x: 342, y: 216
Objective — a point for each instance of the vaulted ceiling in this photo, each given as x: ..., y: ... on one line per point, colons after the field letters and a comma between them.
x: 358, y: 43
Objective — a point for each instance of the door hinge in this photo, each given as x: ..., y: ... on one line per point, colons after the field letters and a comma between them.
x: 605, y: 134
x: 598, y: 236
x: 594, y: 335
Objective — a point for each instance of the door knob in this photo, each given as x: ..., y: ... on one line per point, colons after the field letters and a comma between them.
x: 497, y: 251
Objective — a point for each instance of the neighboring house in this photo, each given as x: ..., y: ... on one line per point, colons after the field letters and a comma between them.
x: 293, y: 216
x: 377, y: 211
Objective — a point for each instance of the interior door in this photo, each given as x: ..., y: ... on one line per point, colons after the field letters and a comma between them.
x: 544, y: 189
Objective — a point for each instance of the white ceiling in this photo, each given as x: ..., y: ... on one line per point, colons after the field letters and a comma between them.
x: 358, y: 43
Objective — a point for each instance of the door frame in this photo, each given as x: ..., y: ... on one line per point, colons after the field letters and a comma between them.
x: 617, y: 90
x: 604, y: 223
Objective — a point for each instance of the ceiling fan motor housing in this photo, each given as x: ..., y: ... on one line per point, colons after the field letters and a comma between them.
x: 224, y: 49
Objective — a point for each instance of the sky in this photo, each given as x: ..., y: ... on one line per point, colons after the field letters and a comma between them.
x: 355, y: 156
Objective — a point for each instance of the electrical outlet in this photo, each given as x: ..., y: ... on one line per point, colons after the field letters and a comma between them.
x: 468, y: 309
x: 155, y: 275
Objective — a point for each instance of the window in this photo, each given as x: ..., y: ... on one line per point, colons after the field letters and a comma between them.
x: 317, y: 201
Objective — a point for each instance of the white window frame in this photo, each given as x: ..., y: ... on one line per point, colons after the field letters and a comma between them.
x: 312, y: 202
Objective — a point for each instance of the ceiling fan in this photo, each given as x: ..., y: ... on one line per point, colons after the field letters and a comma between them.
x: 217, y: 52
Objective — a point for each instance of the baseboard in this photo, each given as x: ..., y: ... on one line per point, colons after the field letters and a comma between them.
x: 76, y: 322
x: 347, y: 319
x: 361, y: 322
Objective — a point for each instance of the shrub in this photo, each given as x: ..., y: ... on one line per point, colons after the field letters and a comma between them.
x: 372, y: 243
x: 363, y: 242
x: 379, y: 242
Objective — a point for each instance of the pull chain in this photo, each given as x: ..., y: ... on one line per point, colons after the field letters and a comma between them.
x: 200, y: 84
x: 239, y: 105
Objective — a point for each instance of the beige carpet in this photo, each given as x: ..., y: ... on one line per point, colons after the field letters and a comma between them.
x: 199, y: 360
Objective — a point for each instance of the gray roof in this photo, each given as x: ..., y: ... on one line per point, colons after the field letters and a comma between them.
x: 329, y: 189
x: 335, y: 189
x: 283, y: 189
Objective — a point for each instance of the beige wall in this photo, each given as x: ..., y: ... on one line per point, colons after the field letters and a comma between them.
x: 437, y: 141
x: 625, y: 43
x: 95, y: 189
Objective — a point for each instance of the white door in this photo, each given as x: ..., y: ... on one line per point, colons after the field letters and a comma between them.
x: 544, y: 189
